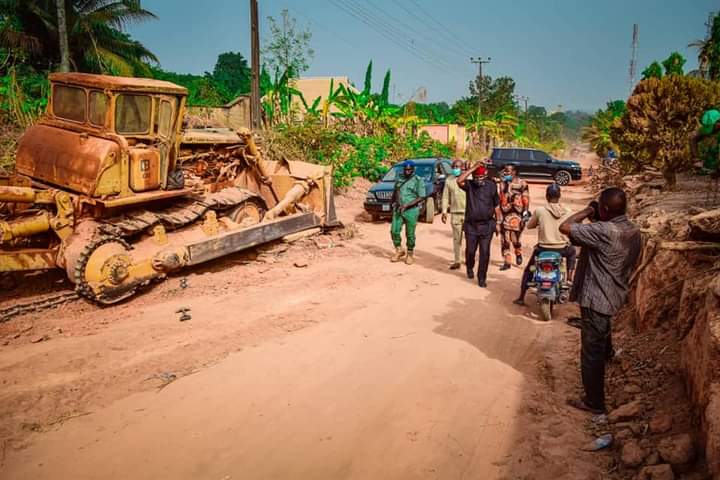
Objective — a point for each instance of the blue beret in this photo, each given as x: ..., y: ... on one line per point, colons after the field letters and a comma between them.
x: 408, y: 163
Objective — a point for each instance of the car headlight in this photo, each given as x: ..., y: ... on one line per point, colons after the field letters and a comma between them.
x: 370, y: 196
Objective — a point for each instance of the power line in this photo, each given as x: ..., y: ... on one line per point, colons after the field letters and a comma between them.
x: 324, y: 27
x: 435, y: 20
x: 386, y: 32
x: 398, y: 34
x: 411, y: 32
x: 443, y: 33
x: 408, y: 37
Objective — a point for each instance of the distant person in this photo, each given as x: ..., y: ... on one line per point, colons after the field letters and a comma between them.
x: 611, y: 156
x: 610, y: 249
x: 709, y: 128
x: 547, y: 220
x: 515, y: 205
x: 453, y: 202
x: 482, y: 213
x: 408, y: 194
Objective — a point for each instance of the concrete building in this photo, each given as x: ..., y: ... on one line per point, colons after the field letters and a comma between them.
x: 314, y: 87
x: 448, y: 133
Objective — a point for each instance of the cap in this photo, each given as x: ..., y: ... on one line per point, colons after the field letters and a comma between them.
x: 553, y: 190
x: 408, y: 164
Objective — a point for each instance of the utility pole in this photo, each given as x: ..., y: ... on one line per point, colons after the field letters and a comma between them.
x: 524, y: 99
x: 255, y: 112
x: 62, y: 33
x: 479, y: 61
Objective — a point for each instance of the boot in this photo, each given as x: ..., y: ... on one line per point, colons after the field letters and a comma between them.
x: 409, y: 259
x: 399, y: 254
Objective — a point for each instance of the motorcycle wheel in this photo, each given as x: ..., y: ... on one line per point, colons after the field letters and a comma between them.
x: 546, y: 309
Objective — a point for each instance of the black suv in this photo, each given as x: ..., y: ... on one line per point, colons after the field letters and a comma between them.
x: 531, y: 163
x: 433, y: 172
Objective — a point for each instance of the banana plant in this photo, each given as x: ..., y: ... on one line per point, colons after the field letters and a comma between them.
x: 278, y: 99
x: 364, y: 110
x: 312, y: 109
x: 332, y: 99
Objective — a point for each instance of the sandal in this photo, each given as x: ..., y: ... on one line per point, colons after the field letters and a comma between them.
x: 580, y: 404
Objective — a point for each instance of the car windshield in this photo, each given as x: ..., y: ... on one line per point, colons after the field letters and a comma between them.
x: 423, y: 171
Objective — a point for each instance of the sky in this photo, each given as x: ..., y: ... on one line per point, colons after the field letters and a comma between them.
x: 562, y: 54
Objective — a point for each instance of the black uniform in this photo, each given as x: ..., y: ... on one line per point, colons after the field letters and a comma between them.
x: 481, y: 200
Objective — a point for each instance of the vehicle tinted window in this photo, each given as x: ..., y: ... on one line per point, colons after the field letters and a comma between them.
x: 540, y: 156
x: 504, y: 154
x: 69, y: 103
x: 98, y: 106
x: 132, y: 114
x: 524, y: 155
x: 423, y: 171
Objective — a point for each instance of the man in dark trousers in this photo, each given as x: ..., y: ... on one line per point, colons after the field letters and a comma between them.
x: 610, y: 248
x: 482, y: 213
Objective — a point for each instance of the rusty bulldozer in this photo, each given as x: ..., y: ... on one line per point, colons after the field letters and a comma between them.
x: 110, y: 187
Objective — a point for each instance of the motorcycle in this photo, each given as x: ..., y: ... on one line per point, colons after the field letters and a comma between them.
x: 549, y: 280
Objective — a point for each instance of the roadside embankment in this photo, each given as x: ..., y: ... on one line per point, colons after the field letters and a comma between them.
x: 671, y: 329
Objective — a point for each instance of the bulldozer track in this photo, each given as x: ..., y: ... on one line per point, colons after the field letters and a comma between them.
x: 176, y: 217
x: 82, y: 289
x: 44, y: 303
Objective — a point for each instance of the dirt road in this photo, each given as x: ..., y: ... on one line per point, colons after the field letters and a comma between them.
x: 327, y: 363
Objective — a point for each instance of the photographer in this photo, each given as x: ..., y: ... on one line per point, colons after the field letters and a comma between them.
x: 610, y: 249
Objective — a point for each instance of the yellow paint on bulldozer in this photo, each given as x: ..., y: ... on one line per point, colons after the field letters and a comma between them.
x: 127, y: 197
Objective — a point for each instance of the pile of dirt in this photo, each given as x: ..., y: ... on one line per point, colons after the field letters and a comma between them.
x: 667, y: 377
x: 353, y: 195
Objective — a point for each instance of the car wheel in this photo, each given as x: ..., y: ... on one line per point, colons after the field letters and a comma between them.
x: 429, y: 214
x: 563, y: 178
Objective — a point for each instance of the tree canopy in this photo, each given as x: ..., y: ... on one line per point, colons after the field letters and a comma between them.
x: 96, y: 34
x: 288, y: 49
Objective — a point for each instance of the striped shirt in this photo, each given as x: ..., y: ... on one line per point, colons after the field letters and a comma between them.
x: 609, y: 254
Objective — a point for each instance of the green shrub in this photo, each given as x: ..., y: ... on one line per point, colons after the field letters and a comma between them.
x: 350, y: 154
x: 661, y: 118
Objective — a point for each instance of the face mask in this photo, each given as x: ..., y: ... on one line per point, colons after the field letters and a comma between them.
x: 507, y: 178
x: 456, y: 172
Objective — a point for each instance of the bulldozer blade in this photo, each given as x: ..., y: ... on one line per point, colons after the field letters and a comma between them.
x: 235, y: 241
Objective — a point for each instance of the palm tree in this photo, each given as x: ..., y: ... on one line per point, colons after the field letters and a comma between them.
x: 709, y: 50
x: 63, y: 39
x: 95, y: 29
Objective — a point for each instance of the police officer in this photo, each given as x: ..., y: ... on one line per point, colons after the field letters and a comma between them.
x: 409, y: 193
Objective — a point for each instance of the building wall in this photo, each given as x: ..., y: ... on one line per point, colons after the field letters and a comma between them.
x: 448, y: 133
x: 235, y: 114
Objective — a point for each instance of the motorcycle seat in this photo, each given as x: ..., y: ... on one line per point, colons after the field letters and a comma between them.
x: 548, y: 257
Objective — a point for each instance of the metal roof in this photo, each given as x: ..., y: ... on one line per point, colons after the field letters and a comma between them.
x: 118, y: 83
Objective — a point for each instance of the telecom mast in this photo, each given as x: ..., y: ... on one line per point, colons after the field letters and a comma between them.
x: 633, y: 58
